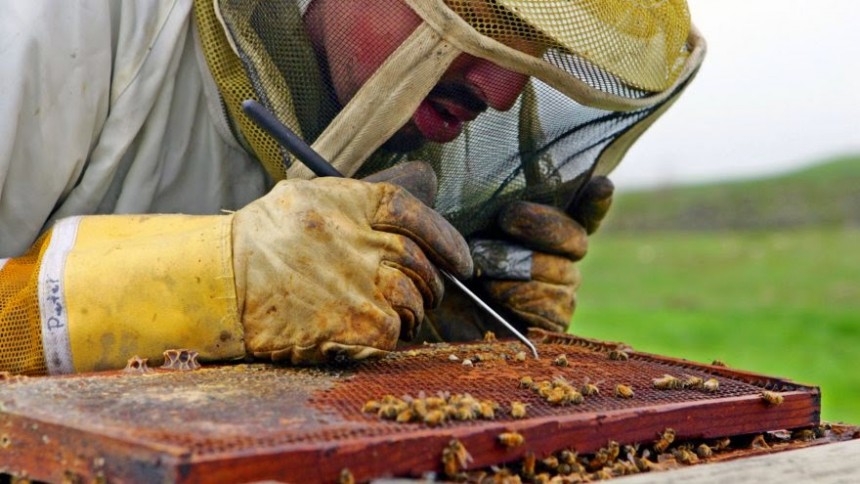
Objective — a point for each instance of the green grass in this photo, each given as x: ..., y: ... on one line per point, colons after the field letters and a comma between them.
x: 827, y: 194
x: 784, y: 303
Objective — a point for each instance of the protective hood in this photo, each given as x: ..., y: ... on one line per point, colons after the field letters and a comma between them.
x: 585, y: 78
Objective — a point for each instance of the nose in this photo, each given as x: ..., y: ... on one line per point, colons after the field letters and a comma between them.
x: 500, y: 87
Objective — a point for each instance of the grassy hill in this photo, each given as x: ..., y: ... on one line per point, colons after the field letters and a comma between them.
x: 780, y: 296
x: 827, y: 194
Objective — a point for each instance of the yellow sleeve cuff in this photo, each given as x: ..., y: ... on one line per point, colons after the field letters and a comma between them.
x: 139, y: 285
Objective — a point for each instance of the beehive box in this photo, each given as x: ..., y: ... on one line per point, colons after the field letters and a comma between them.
x: 258, y: 421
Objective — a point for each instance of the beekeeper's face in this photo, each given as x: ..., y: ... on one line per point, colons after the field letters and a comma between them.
x: 356, y: 37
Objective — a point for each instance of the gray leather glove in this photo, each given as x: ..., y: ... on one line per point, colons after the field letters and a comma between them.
x: 530, y: 272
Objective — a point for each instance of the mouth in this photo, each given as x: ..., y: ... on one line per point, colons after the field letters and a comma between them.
x: 441, y: 115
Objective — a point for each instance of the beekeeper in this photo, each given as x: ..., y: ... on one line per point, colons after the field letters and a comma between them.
x: 140, y: 210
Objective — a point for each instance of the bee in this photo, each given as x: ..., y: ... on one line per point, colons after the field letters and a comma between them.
x: 694, y: 382
x: 467, y: 362
x: 453, y: 357
x: 664, y: 441
x: 804, y: 434
x: 520, y: 356
x: 542, y: 478
x: 772, y: 398
x: 370, y: 406
x: 529, y: 464
x: 489, y: 337
x: 623, y: 391
x: 560, y: 360
x: 641, y: 463
x: 603, y: 475
x: 518, y: 409
x: 589, y: 389
x: 464, y: 413
x: 703, y: 451
x: 711, y: 385
x: 606, y: 455
x: 479, y: 357
x: 455, y: 457
x: 722, y: 444
x: 389, y: 411
x: 573, y: 396
x: 612, y: 451
x: 434, y: 403
x: 758, y: 442
x: 488, y: 409
x: 511, y: 439
x: 667, y: 382
x: 345, y: 477
x: 419, y: 407
x: 434, y: 417
x: 543, y: 388
x: 550, y: 462
x: 718, y: 363
x: 685, y: 456
x: 567, y: 456
x: 564, y: 469
x: 557, y: 396
x: 405, y: 416
x: 624, y: 468
x: 618, y: 355
x: 527, y: 382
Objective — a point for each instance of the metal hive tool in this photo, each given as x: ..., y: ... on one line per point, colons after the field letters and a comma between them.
x: 256, y: 422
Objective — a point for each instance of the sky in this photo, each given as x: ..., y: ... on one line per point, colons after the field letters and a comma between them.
x: 779, y: 90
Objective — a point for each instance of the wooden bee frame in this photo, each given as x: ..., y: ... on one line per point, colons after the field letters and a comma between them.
x: 259, y: 422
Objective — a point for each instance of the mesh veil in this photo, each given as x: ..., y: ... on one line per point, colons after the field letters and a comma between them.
x: 599, y: 72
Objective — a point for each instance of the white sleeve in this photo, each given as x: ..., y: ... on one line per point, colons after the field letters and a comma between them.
x: 55, y: 84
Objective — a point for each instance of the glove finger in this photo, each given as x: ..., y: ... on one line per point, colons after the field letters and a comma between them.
x: 401, y: 213
x: 544, y: 228
x: 417, y: 177
x: 554, y: 269
x: 407, y: 257
x: 398, y: 289
x: 591, y: 207
x: 323, y: 352
x: 547, y: 306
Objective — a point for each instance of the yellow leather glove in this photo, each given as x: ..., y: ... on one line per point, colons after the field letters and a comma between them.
x: 529, y: 272
x: 337, y: 266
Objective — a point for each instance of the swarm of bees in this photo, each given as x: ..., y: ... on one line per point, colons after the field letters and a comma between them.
x: 432, y: 411
x: 556, y: 392
x: 692, y: 382
x: 772, y: 398
x: 567, y: 466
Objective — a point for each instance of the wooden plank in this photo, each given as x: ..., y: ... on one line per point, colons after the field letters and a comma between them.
x: 823, y: 464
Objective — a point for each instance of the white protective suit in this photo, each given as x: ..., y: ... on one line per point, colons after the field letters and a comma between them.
x: 108, y: 107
